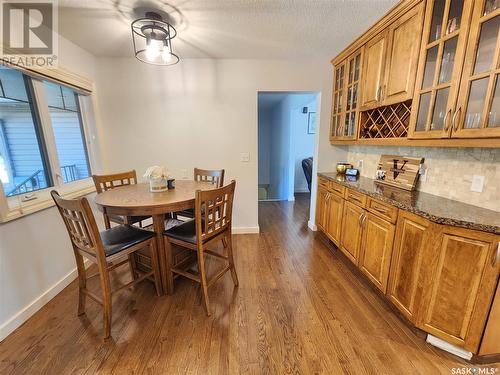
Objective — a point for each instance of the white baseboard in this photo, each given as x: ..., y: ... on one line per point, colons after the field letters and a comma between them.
x: 304, y: 190
x: 291, y: 199
x: 245, y: 230
x: 450, y: 348
x: 312, y: 226
x: 30, y: 309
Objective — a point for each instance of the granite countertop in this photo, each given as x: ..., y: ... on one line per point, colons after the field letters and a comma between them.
x: 432, y: 207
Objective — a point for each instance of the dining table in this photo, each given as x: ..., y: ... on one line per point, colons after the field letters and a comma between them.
x: 138, y: 200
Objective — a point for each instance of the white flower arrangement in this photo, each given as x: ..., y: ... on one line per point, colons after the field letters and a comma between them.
x: 158, y: 178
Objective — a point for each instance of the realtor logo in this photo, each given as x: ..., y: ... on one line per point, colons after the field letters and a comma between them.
x: 29, y: 35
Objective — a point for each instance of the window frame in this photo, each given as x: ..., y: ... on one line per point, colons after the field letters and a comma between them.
x: 24, y: 204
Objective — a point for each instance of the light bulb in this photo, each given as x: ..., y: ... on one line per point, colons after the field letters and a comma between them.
x: 154, y: 49
x: 166, y: 55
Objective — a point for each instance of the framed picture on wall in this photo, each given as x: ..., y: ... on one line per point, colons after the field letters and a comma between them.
x: 311, y: 123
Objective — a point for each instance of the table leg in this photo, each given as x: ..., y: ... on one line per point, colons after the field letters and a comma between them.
x: 164, y: 254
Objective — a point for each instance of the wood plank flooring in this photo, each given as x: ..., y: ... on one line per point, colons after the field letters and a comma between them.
x: 300, y: 309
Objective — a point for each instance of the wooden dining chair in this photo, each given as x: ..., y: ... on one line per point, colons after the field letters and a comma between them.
x: 108, y: 249
x: 212, y: 224
x: 215, y: 177
x: 111, y: 181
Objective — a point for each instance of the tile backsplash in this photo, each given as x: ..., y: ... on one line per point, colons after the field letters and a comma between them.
x: 449, y: 170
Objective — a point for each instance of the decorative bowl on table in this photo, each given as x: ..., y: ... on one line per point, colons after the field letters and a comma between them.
x: 158, y: 179
x: 342, y: 167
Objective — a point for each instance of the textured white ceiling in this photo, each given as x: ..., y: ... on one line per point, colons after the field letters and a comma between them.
x: 260, y: 29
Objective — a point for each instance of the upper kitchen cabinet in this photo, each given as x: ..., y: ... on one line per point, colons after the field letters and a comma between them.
x: 441, y: 61
x: 346, y: 87
x: 478, y: 109
x: 390, y: 62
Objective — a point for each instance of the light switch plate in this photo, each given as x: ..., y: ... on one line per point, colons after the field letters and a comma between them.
x: 245, y: 157
x: 360, y: 164
x: 477, y: 184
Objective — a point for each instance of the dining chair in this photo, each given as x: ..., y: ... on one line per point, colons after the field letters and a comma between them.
x: 106, y: 249
x: 211, y: 225
x: 111, y: 181
x: 215, y: 177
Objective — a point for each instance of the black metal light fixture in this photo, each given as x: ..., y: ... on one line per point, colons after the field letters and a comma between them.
x: 152, y: 37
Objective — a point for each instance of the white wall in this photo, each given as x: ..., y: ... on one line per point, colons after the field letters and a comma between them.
x: 202, y: 113
x: 36, y: 259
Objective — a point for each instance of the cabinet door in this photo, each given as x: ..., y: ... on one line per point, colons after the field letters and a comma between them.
x: 321, y: 202
x: 411, y: 239
x: 478, y: 110
x: 402, y: 59
x: 351, y: 231
x: 334, y: 221
x: 338, y: 112
x: 440, y: 66
x: 376, y: 250
x: 352, y: 92
x: 373, y: 71
x: 464, y: 276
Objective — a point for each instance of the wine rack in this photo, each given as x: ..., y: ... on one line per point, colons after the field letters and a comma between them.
x: 391, y: 121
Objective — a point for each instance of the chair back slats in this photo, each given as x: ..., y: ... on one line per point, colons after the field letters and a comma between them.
x: 111, y: 181
x: 80, y: 224
x: 215, y: 177
x: 213, y: 211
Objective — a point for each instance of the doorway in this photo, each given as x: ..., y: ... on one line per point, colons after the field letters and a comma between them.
x: 286, y: 143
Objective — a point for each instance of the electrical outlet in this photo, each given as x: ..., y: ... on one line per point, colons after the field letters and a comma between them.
x: 360, y: 164
x: 244, y: 157
x: 477, y: 184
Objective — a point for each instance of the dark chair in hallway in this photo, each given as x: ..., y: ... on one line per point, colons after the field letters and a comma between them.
x: 307, y: 166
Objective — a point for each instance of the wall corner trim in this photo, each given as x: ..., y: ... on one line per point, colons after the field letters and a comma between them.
x: 312, y: 226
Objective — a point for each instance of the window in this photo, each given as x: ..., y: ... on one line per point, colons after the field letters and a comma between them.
x: 23, y: 166
x: 42, y: 140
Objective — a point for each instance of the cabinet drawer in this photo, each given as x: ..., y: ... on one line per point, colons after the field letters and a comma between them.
x: 337, y: 189
x: 323, y: 182
x: 353, y: 196
x: 382, y: 210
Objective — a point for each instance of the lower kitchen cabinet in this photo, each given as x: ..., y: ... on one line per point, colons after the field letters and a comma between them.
x: 463, y: 277
x: 350, y: 240
x: 407, y: 258
x: 376, y: 250
x: 334, y: 211
x: 321, y: 206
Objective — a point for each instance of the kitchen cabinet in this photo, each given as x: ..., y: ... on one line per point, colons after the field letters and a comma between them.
x: 441, y: 60
x: 411, y: 239
x: 390, y: 62
x: 464, y: 272
x: 478, y: 108
x: 334, y: 210
x: 345, y: 108
x: 351, y: 231
x: 376, y: 250
x: 442, y: 278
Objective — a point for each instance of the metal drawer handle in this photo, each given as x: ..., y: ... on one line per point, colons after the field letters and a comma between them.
x: 360, y: 219
x: 381, y: 210
x: 363, y: 221
x: 356, y: 199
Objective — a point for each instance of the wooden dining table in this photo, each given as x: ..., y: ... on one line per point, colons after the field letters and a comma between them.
x: 137, y: 200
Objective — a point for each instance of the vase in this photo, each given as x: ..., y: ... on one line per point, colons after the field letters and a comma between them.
x: 157, y: 185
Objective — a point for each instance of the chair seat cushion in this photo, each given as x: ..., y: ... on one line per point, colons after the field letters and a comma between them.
x: 186, y: 213
x: 123, y: 237
x: 183, y: 232
x: 121, y: 219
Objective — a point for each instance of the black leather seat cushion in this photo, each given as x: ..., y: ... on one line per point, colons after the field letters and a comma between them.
x: 121, y: 219
x: 186, y: 213
x: 123, y: 237
x: 183, y: 232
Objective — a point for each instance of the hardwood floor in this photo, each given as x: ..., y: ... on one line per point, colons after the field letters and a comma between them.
x: 300, y: 309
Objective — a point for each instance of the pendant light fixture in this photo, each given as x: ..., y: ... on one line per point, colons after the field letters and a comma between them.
x: 152, y: 37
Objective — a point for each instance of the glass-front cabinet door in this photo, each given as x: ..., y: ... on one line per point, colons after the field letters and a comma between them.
x: 345, y: 108
x: 441, y: 60
x: 338, y: 102
x: 478, y: 108
x: 352, y: 90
